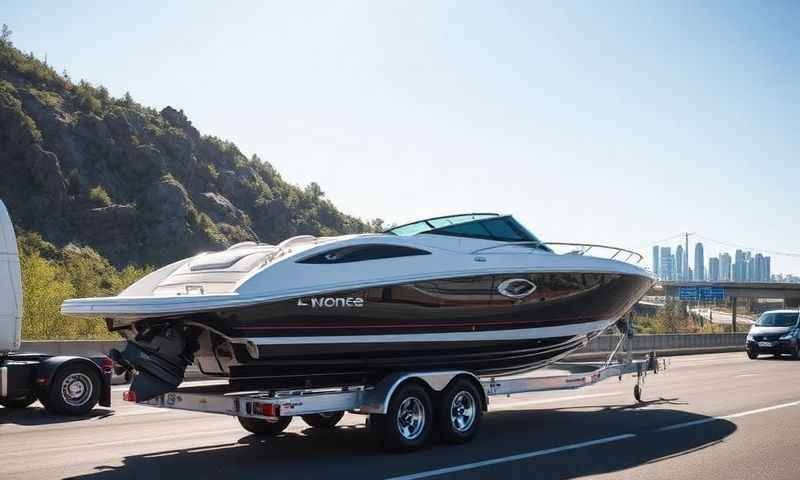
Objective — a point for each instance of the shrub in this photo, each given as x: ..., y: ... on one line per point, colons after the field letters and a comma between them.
x: 99, y: 196
x: 50, y: 276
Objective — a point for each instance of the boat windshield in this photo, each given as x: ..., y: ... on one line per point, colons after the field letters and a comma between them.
x: 489, y: 226
x: 777, y: 319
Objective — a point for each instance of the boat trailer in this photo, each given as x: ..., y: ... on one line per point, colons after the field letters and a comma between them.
x: 401, y: 404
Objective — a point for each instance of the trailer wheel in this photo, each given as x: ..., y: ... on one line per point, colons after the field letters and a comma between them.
x: 323, y: 420
x: 74, y: 390
x: 407, y: 423
x: 459, y: 412
x: 19, y: 402
x: 260, y: 426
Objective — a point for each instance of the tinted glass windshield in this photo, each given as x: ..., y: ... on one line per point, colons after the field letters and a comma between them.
x: 478, y: 225
x: 780, y: 319
x: 433, y: 223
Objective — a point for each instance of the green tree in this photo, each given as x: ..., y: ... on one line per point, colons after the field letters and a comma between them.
x: 5, y: 35
x: 44, y: 289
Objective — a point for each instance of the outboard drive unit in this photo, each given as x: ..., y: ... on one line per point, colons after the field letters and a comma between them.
x: 159, y: 355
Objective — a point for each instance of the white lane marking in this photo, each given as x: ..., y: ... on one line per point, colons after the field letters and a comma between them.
x: 575, y: 446
x: 514, y: 458
x: 149, y: 439
x: 504, y: 406
x: 727, y: 417
x: 746, y: 375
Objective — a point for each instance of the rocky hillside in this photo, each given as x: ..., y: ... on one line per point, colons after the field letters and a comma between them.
x: 137, y: 185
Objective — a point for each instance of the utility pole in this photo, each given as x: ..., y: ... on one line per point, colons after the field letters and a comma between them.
x: 686, y: 257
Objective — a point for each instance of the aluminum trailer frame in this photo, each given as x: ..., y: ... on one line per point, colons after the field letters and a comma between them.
x: 400, y: 404
x: 374, y: 399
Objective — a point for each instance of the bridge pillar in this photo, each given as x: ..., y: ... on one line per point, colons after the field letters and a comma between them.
x: 733, y: 313
x: 791, y: 302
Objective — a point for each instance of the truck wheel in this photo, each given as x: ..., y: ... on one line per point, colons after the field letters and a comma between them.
x: 407, y: 423
x: 323, y: 420
x: 74, y: 390
x: 20, y: 402
x: 459, y: 412
x: 260, y: 426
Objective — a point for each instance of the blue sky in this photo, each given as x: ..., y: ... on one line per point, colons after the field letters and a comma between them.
x: 623, y: 123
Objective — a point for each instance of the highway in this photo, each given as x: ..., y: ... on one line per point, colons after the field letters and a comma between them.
x: 718, y: 416
x: 724, y: 318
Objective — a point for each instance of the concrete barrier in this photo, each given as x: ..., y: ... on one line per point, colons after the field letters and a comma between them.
x: 71, y: 347
x: 86, y: 348
x: 667, y: 344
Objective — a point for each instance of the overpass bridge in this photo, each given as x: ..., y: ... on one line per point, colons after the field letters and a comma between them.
x: 788, y: 292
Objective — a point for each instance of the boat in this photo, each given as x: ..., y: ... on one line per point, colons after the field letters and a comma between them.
x: 476, y: 292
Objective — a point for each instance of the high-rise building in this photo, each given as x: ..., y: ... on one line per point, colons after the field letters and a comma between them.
x: 667, y: 268
x: 739, y: 267
x: 679, y: 263
x: 713, y: 269
x: 656, y: 262
x: 759, y: 268
x: 724, y: 267
x: 750, y: 267
x: 767, y: 269
x: 699, y: 263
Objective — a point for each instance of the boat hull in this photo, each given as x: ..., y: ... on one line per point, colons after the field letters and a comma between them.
x: 462, y: 323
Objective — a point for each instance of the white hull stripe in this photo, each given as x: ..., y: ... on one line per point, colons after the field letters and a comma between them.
x: 517, y: 334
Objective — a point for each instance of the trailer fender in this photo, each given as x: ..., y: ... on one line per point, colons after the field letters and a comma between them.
x: 377, y: 400
x: 48, y: 368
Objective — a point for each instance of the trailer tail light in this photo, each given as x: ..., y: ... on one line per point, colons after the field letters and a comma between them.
x: 270, y: 410
x: 129, y: 396
x: 107, y: 365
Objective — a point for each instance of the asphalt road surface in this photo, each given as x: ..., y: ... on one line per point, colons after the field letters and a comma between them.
x: 716, y: 416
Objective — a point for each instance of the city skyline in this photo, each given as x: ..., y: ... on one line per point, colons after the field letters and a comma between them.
x: 744, y: 266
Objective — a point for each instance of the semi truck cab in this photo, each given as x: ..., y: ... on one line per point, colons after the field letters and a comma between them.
x: 66, y: 385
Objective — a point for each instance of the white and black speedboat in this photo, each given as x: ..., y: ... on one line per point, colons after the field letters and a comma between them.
x: 475, y: 292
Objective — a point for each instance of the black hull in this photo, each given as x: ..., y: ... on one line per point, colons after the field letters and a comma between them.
x: 354, y: 364
x: 357, y: 336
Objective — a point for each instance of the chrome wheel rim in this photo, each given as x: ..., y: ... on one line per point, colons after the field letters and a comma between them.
x: 462, y: 411
x: 411, y: 418
x: 76, y: 389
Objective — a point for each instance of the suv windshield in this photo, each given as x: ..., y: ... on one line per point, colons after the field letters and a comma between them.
x: 777, y: 319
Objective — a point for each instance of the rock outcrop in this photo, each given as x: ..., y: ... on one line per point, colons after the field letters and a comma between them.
x: 137, y: 185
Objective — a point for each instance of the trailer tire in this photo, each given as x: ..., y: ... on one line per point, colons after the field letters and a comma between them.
x: 74, y: 390
x: 260, y: 426
x: 406, y: 425
x: 460, y: 412
x: 323, y: 420
x: 19, y: 402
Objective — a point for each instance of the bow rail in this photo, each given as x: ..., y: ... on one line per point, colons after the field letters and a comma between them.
x: 616, y: 253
